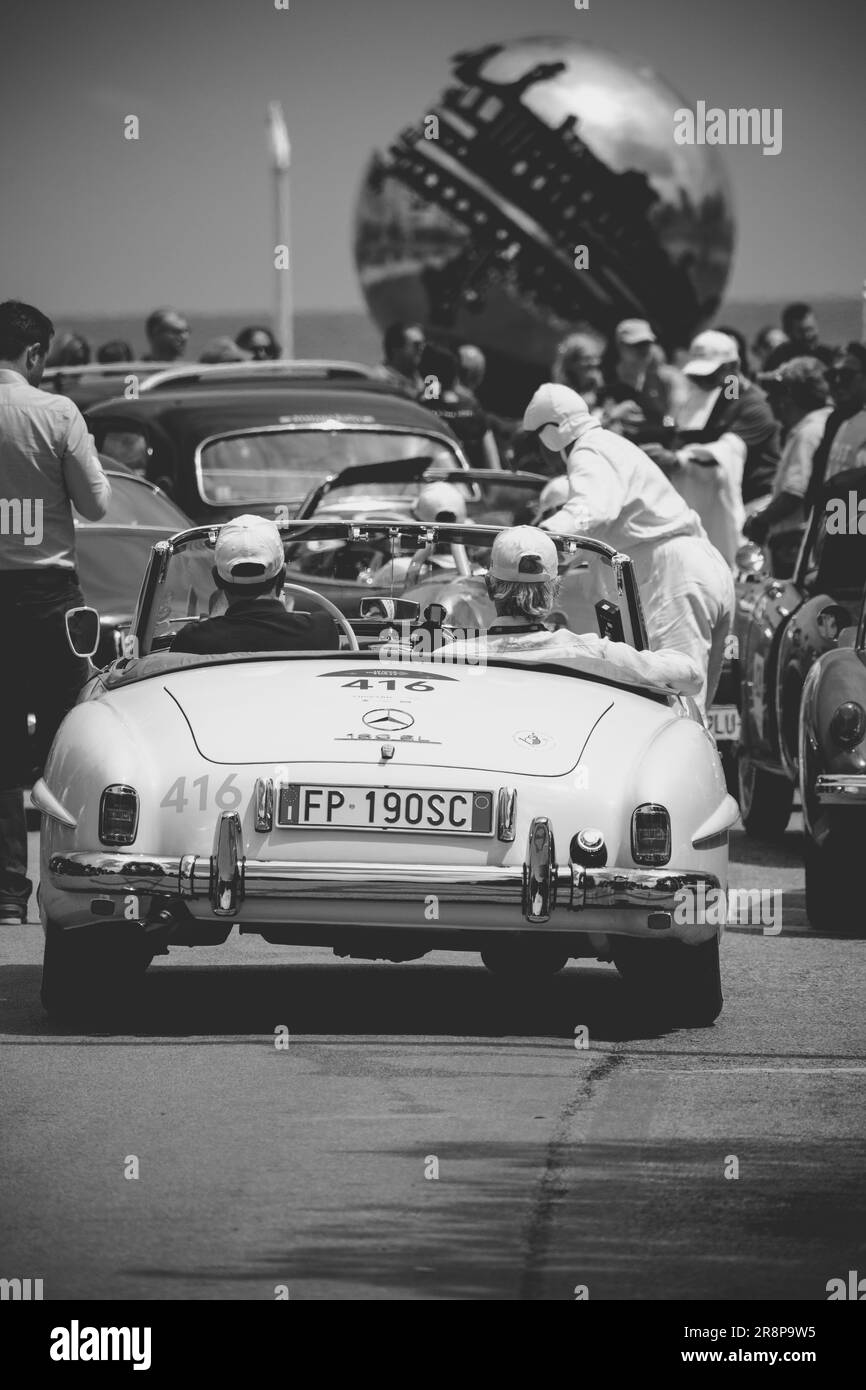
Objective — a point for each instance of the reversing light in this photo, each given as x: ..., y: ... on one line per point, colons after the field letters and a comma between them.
x: 651, y: 835
x: 118, y: 815
x: 588, y: 848
x: 848, y: 724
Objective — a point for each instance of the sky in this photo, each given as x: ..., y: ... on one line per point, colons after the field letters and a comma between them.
x: 91, y: 222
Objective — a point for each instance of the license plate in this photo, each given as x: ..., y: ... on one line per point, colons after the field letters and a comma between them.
x: 724, y: 721
x: 385, y: 808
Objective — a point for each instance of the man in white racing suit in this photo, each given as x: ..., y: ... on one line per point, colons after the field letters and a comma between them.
x: 619, y: 496
x: 522, y: 583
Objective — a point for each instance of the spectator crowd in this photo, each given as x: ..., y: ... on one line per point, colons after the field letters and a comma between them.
x: 746, y: 433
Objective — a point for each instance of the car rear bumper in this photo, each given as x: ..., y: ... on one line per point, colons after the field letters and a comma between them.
x: 570, y: 897
x: 841, y: 789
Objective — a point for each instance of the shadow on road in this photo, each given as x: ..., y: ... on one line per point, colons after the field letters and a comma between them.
x: 650, y: 1219
x: 785, y: 853
x: 351, y: 1000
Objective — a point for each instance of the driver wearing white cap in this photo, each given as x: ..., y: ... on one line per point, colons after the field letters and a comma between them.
x: 522, y: 581
x: 250, y: 568
x: 619, y: 496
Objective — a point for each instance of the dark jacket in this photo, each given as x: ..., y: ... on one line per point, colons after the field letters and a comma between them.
x: 258, y: 625
x: 749, y: 416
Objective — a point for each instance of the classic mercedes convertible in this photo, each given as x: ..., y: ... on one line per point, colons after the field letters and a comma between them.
x: 378, y: 798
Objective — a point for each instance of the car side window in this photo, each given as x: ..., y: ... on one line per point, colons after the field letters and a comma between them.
x: 127, y: 444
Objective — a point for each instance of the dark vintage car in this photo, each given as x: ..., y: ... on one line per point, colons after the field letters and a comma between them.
x: 782, y: 627
x: 98, y: 381
x: 113, y: 554
x: 832, y: 767
x: 222, y: 451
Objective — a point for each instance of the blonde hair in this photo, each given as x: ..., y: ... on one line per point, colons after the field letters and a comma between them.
x: 516, y: 600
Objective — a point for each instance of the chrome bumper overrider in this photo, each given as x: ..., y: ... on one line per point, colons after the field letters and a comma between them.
x: 840, y: 788
x: 227, y: 879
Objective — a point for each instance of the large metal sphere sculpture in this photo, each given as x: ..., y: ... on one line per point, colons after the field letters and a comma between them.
x: 544, y: 190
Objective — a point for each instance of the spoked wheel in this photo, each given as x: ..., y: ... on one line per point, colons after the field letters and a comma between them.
x: 765, y: 800
x: 678, y: 984
x: 90, y: 973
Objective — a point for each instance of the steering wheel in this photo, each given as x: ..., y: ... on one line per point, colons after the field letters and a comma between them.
x: 329, y: 607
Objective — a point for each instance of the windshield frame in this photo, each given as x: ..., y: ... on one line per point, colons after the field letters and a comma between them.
x: 327, y: 423
x: 427, y: 533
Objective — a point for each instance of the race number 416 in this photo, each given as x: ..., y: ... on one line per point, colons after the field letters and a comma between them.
x: 226, y: 797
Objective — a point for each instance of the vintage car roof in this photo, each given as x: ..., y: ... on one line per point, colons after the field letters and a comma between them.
x: 197, y: 412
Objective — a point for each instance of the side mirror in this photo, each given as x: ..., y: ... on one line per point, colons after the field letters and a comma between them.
x: 394, y: 609
x: 82, y: 630
x: 847, y: 637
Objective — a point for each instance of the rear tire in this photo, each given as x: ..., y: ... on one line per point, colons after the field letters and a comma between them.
x: 766, y: 801
x: 90, y: 973
x: 833, y: 877
x: 516, y: 961
x: 676, y: 983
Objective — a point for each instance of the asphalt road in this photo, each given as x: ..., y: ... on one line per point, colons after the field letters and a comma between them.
x: 305, y: 1168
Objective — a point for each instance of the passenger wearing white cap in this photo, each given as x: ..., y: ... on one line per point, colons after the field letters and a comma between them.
x: 250, y: 568
x: 436, y: 502
x: 522, y: 581
x: 619, y: 496
x: 441, y: 502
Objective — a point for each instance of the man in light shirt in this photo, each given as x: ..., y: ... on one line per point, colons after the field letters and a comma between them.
x: 48, y: 463
x: 619, y: 496
x: 801, y: 405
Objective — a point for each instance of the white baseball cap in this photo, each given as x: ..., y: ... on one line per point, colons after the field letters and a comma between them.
x: 633, y: 331
x: 709, y: 351
x: 252, y: 545
x: 523, y: 555
x: 441, y: 502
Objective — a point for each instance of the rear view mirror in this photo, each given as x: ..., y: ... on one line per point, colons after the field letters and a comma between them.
x: 394, y: 609
x: 82, y: 630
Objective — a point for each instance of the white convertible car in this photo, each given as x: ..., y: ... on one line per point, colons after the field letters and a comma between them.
x: 378, y: 798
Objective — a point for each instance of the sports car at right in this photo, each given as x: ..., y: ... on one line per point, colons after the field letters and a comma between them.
x: 832, y: 747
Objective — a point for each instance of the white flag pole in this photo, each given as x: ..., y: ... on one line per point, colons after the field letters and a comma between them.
x: 281, y: 154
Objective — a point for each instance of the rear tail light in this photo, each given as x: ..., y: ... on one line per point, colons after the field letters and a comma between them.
x: 118, y: 815
x: 651, y: 835
x: 848, y: 725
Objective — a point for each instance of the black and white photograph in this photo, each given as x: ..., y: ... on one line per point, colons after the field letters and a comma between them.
x: 433, y: 690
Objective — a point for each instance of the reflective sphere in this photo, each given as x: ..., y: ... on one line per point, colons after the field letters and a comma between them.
x: 544, y: 191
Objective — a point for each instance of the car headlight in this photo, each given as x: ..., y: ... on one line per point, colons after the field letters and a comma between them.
x: 118, y: 815
x: 651, y: 835
x: 848, y: 724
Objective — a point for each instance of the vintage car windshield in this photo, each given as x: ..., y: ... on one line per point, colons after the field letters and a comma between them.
x: 349, y: 563
x: 283, y: 465
x: 134, y: 504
